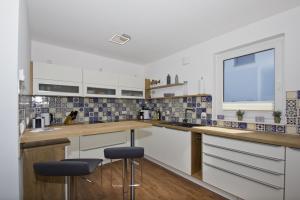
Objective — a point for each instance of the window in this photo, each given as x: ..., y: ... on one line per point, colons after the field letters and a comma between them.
x: 250, y: 77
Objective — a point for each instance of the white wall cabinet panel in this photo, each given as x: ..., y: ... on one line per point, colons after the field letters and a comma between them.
x: 100, y: 78
x: 292, y: 181
x: 171, y: 147
x: 56, y: 72
x: 135, y: 81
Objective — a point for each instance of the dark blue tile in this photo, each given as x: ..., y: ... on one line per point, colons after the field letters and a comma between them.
x: 76, y: 99
x: 96, y: 114
x: 215, y: 123
x: 70, y: 99
x: 104, y: 105
x: 189, y: 105
x: 91, y: 114
x: 194, y: 105
x: 298, y: 94
x: 198, y: 116
x: 242, y: 125
x: 184, y: 99
x: 189, y: 99
x: 91, y: 109
x: 194, y: 99
x: 203, y: 122
x: 100, y: 109
x: 203, y: 109
x: 116, y: 118
x: 109, y: 113
x: 163, y: 118
x: 198, y: 104
x: 208, y: 122
x: 208, y: 99
x: 81, y: 109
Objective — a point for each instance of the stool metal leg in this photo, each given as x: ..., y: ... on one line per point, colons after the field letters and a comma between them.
x: 132, y: 189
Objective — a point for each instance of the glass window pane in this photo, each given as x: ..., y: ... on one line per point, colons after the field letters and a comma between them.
x: 250, y: 77
x: 132, y: 93
x: 101, y: 91
x: 58, y: 88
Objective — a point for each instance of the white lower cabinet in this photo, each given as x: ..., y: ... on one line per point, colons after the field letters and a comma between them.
x: 248, y: 170
x: 292, y: 181
x: 92, y: 146
x: 169, y: 146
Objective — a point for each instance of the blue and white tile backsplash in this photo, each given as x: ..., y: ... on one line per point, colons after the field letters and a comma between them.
x: 172, y: 109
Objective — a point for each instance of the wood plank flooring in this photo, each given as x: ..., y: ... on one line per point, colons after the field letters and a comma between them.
x: 158, y: 183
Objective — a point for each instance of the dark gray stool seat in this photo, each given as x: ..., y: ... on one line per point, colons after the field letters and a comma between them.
x: 124, y: 152
x: 67, y: 167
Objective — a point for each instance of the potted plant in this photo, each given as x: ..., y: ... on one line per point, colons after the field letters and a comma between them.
x: 240, y: 115
x: 277, y: 116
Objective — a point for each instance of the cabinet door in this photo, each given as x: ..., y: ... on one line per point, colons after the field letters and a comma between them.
x: 57, y: 88
x: 131, y: 93
x: 292, y: 176
x: 133, y: 81
x: 57, y: 72
x: 93, y: 90
x: 171, y: 147
x: 100, y: 78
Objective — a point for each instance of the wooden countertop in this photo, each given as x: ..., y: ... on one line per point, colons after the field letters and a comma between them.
x: 81, y: 129
x: 252, y: 136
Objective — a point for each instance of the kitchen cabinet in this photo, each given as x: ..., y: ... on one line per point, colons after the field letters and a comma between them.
x: 168, y: 146
x: 245, y: 169
x: 58, y: 80
x: 99, y: 84
x: 92, y: 146
x: 292, y: 181
x: 131, y: 86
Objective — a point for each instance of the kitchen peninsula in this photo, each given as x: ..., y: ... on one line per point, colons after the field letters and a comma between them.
x: 51, y: 145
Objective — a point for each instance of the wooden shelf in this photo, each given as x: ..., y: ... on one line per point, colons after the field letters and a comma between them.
x: 193, y: 95
x: 166, y: 86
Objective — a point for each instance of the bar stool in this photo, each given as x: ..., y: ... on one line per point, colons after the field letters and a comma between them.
x: 124, y: 153
x: 70, y: 168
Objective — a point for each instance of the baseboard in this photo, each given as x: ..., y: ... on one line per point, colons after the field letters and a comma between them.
x: 193, y: 179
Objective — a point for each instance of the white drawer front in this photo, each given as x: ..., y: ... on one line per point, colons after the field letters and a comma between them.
x: 276, y: 166
x: 102, y: 140
x: 255, y: 174
x: 239, y: 186
x: 264, y: 150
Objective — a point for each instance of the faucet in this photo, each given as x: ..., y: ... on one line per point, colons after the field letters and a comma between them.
x: 185, y: 120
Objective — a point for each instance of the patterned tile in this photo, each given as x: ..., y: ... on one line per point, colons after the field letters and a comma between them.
x: 260, y: 127
x: 227, y: 124
x: 234, y: 125
x: 242, y: 125
x: 291, y: 108
x: 298, y: 94
x: 291, y: 95
x: 270, y: 128
x: 291, y: 120
x: 280, y: 129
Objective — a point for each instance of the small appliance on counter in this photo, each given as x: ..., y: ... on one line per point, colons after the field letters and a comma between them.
x: 48, y: 118
x: 146, y: 114
x: 38, y: 122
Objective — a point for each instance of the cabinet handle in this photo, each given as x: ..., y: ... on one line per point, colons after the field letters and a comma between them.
x: 245, y: 177
x: 243, y: 164
x: 243, y: 152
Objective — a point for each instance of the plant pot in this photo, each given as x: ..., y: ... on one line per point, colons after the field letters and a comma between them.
x: 240, y: 118
x: 277, y: 120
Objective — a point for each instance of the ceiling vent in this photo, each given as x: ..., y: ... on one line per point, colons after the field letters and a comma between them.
x: 120, y: 39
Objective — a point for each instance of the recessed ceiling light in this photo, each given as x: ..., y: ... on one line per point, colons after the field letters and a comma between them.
x: 120, y: 39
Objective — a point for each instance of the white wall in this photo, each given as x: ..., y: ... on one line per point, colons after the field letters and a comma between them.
x: 43, y: 52
x: 24, y: 44
x: 9, y: 148
x: 202, y: 55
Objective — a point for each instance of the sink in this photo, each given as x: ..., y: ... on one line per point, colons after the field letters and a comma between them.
x: 47, y: 129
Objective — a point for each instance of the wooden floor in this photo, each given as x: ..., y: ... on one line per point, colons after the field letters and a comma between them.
x: 158, y: 183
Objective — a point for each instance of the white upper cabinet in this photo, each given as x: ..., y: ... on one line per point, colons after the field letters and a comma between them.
x: 99, y: 84
x: 57, y: 72
x: 131, y: 86
x: 133, y: 81
x: 100, y: 78
x: 58, y: 80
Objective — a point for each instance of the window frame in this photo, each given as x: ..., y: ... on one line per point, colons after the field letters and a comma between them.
x: 272, y: 43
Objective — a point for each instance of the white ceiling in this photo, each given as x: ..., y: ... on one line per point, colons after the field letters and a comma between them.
x: 158, y: 28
